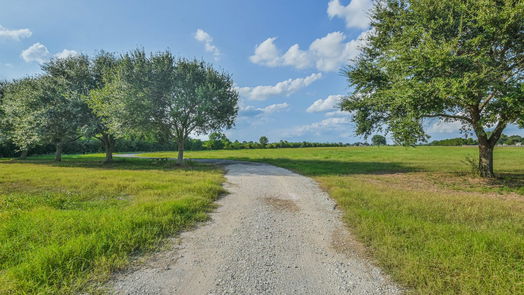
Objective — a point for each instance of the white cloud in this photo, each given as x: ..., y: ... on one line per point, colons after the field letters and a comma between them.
x: 274, y: 108
x: 319, y: 128
x: 250, y: 111
x: 66, y: 53
x: 15, y: 34
x: 445, y: 127
x: 203, y: 37
x: 337, y: 113
x: 36, y: 52
x: 266, y: 53
x: 323, y: 105
x: 296, y: 57
x: 355, y: 13
x: 327, y: 54
x: 40, y: 54
x: 286, y: 88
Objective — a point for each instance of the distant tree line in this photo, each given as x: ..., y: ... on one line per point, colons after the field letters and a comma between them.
x: 504, y: 140
x: 216, y: 141
x: 132, y: 101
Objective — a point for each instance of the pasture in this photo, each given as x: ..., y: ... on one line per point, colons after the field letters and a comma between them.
x: 66, y: 226
x: 422, y: 216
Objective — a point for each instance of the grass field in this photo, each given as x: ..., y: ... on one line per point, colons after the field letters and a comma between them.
x: 422, y: 215
x: 66, y: 226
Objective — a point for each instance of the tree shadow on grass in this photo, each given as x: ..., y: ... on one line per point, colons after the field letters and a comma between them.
x: 331, y: 168
x: 513, y: 182
x: 305, y: 167
x: 97, y: 163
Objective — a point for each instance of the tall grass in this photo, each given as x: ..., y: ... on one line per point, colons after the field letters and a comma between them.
x: 431, y: 225
x: 65, y: 226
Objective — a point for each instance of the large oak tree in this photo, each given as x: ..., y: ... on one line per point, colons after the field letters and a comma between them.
x: 455, y: 60
x: 202, y: 100
x: 167, y: 98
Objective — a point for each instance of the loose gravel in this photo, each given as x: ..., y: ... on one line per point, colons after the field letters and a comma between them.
x: 276, y: 232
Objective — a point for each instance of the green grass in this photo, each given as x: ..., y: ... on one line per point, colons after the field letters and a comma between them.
x: 431, y: 225
x: 65, y: 227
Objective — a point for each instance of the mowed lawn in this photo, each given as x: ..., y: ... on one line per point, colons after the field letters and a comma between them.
x: 64, y: 227
x: 431, y: 225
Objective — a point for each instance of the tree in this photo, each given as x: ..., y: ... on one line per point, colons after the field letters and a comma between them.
x: 378, y: 140
x: 217, y: 141
x: 455, y: 60
x: 201, y: 100
x: 168, y: 98
x: 3, y: 129
x: 63, y: 114
x: 21, y: 108
x: 125, y: 102
x: 263, y: 141
x: 102, y: 69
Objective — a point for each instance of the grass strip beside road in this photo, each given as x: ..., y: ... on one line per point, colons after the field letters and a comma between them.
x: 67, y: 226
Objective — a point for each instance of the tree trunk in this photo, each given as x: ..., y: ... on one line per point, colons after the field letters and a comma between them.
x: 180, y: 160
x: 58, y: 154
x: 109, y: 145
x: 23, y: 155
x: 486, y: 160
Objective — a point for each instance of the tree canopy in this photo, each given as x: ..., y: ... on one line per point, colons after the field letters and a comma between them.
x: 173, y: 98
x: 453, y: 60
x: 107, y: 97
x: 378, y: 139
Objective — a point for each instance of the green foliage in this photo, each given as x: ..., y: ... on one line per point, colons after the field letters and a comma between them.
x: 473, y: 165
x: 454, y: 142
x: 455, y: 60
x: 49, y: 108
x: 166, y: 97
x: 217, y: 141
x: 64, y: 113
x: 64, y: 226
x: 263, y: 141
x: 504, y: 140
x: 378, y: 139
x: 511, y: 140
x: 21, y: 114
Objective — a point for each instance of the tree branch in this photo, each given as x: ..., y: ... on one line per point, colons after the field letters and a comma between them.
x: 485, y: 103
x: 457, y: 117
x: 497, y: 132
x: 75, y: 139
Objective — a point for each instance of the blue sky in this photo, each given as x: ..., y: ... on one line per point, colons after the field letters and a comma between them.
x: 285, y: 56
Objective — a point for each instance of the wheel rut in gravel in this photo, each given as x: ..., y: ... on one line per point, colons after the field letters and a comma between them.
x: 276, y: 232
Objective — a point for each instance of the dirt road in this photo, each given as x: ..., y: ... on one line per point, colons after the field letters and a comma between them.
x: 275, y: 233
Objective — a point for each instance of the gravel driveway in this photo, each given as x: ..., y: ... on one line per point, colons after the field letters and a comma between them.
x: 275, y: 233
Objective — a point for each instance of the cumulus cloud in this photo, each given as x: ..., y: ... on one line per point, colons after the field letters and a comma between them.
x: 331, y: 103
x: 40, y: 54
x: 15, y: 34
x: 355, y: 13
x: 250, y: 111
x: 286, y: 88
x: 203, y: 37
x: 326, y: 54
x: 266, y: 53
x: 66, y: 53
x: 36, y: 52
